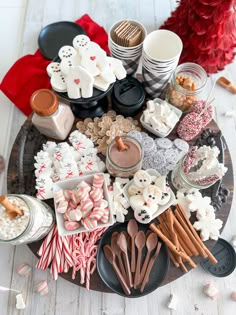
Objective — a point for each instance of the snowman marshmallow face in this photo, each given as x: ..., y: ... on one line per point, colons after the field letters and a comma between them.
x: 142, y: 179
x: 152, y: 194
x: 135, y: 190
x: 53, y: 67
x: 143, y: 214
x: 67, y: 52
x: 81, y: 42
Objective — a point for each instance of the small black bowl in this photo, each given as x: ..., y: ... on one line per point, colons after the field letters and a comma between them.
x: 226, y: 257
x: 107, y: 274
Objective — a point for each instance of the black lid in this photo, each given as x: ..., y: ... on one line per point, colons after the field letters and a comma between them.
x: 129, y: 92
x: 226, y: 257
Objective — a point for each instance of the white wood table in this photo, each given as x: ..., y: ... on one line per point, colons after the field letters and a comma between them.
x: 21, y: 22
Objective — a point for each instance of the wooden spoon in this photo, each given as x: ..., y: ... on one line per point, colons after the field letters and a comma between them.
x: 132, y: 229
x: 122, y: 242
x: 140, y: 241
x: 11, y: 209
x: 150, y: 265
x: 111, y: 257
x: 116, y: 249
x: 151, y: 243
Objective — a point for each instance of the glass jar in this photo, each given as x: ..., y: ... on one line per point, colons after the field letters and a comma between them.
x: 35, y: 223
x: 127, y: 162
x: 180, y: 179
x: 51, y: 118
x: 187, y: 85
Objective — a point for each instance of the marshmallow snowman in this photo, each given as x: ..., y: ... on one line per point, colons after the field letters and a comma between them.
x: 79, y: 83
x: 57, y: 80
x: 67, y: 54
x: 143, y: 214
x: 142, y: 179
x: 81, y: 43
x: 152, y: 195
x: 135, y: 190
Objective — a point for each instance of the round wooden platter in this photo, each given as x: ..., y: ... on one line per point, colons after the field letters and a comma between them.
x: 21, y: 180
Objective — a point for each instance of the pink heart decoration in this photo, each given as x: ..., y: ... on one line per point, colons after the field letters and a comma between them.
x: 77, y: 81
x: 92, y: 58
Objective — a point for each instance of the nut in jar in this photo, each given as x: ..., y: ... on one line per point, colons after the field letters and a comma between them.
x: 187, y: 85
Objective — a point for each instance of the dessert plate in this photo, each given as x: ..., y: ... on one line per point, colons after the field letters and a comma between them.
x: 107, y: 274
x: 53, y: 36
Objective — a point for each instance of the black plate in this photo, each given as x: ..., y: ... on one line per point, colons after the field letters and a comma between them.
x: 105, y: 269
x: 226, y: 256
x: 53, y: 36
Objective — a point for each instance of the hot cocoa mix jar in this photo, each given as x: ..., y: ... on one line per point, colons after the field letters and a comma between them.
x: 51, y: 117
x: 24, y: 219
x: 187, y: 85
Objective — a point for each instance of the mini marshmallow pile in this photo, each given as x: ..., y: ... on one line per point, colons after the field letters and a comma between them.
x: 160, y: 116
x: 202, y: 167
x: 160, y: 154
x: 61, y: 161
x: 12, y: 228
x: 147, y: 194
x: 193, y: 201
x: 85, y: 205
x: 83, y: 67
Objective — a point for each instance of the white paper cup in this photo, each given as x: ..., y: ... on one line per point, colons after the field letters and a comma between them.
x: 162, y: 45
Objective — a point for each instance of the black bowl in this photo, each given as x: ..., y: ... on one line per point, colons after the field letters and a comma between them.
x: 107, y: 274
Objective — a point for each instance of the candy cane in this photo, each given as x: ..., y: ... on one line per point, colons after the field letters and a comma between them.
x: 49, y: 256
x: 47, y: 240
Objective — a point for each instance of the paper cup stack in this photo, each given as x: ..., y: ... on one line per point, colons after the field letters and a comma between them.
x: 160, y: 57
x: 123, y: 47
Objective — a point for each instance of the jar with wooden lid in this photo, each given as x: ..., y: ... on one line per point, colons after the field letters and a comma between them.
x: 187, y: 85
x: 51, y: 117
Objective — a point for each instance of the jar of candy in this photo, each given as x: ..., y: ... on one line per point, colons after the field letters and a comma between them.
x: 187, y: 85
x: 180, y: 179
x: 124, y: 156
x: 24, y: 219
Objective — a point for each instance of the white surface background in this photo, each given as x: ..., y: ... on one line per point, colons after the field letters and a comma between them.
x: 21, y: 22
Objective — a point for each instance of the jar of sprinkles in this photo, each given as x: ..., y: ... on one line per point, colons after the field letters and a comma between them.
x: 24, y: 219
x: 187, y: 85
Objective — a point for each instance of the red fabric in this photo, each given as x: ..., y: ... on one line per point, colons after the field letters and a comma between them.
x: 28, y: 74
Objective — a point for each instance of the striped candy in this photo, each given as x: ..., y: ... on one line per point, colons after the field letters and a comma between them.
x: 62, y: 207
x: 96, y: 194
x: 86, y: 207
x: 42, y: 288
x: 59, y: 196
x: 75, y: 215
x: 105, y: 217
x: 97, y: 213
x: 24, y: 270
x: 211, y: 291
x: 98, y: 180
x: 89, y: 224
x: 71, y: 225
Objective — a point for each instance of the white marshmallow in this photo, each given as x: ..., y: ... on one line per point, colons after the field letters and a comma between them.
x: 172, y: 304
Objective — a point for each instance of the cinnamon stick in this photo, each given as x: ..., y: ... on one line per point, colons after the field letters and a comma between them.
x: 188, y: 231
x: 185, y: 236
x: 120, y: 144
x: 171, y: 246
x: 172, y: 256
x: 209, y: 254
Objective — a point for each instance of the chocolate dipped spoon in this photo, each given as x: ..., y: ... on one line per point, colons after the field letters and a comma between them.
x: 111, y: 257
x: 116, y: 249
x: 150, y: 265
x: 151, y: 243
x: 140, y: 241
x: 132, y: 229
x: 122, y: 242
